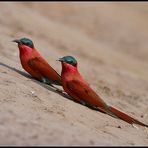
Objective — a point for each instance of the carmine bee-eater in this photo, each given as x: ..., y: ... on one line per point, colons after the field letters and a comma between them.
x: 35, y: 64
x: 81, y: 92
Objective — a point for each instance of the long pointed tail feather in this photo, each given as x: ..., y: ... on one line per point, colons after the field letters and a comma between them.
x: 125, y: 117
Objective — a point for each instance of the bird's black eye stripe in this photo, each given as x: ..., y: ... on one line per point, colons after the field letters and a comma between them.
x: 70, y: 62
x: 26, y: 43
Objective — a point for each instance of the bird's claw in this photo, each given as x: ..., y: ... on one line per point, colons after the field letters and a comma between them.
x: 135, y: 126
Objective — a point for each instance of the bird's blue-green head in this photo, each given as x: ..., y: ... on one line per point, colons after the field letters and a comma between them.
x: 69, y: 59
x: 24, y: 41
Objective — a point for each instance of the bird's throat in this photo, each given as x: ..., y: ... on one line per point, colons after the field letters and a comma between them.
x: 67, y: 68
x: 24, y: 50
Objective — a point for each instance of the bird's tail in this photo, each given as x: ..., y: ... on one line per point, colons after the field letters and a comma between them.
x: 125, y: 117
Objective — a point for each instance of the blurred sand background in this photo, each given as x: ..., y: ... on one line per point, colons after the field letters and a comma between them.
x: 109, y: 41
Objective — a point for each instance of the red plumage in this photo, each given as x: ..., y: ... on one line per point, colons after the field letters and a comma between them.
x: 34, y: 63
x: 80, y: 91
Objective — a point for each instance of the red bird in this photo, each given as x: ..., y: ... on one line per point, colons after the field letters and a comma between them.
x: 81, y: 92
x: 35, y: 64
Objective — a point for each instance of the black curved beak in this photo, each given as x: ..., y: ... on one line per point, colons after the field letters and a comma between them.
x: 60, y: 59
x: 17, y: 41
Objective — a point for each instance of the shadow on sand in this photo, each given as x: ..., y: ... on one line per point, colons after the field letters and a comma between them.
x: 63, y: 94
x: 36, y: 81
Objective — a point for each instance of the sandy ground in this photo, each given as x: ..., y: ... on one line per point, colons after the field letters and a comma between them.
x: 110, y: 43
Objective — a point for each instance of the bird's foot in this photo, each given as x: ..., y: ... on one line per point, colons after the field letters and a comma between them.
x: 59, y: 90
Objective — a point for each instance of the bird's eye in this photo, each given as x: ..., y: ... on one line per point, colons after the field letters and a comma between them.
x: 28, y: 43
x: 70, y: 62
